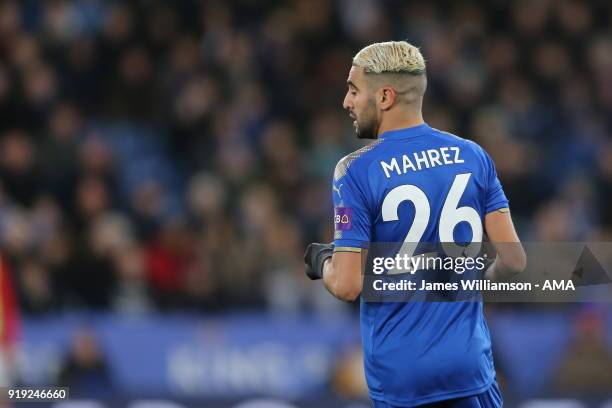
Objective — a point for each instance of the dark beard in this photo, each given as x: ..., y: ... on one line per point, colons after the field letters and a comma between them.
x: 369, y: 130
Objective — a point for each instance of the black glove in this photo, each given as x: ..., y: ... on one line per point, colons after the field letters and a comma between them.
x: 315, y: 257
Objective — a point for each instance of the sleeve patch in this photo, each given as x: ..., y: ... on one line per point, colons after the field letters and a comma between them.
x: 343, y: 218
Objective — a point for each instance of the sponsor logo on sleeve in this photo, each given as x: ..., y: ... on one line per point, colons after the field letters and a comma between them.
x: 343, y: 218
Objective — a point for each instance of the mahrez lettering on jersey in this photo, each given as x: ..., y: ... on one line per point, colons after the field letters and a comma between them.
x: 422, y: 160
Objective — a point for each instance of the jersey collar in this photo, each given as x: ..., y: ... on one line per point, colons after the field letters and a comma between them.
x: 405, y: 132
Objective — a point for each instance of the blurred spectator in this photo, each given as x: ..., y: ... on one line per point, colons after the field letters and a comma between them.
x: 131, y: 294
x: 58, y: 167
x: 167, y: 258
x: 18, y: 167
x: 89, y: 274
x: 36, y: 289
x: 349, y: 378
x: 85, y: 370
x: 586, y: 369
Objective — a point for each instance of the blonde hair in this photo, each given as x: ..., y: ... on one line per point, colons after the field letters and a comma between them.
x: 391, y: 57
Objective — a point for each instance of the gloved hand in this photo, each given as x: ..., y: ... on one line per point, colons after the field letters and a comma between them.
x: 315, y: 257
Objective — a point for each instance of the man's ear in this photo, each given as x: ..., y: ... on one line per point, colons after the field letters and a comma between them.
x: 387, y: 98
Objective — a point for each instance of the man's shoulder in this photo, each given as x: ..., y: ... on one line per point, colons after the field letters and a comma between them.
x: 358, y: 158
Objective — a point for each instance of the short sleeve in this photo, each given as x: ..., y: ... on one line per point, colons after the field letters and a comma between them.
x: 352, y: 225
x: 495, y: 198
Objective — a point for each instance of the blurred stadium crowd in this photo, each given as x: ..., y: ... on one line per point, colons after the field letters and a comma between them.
x: 158, y: 155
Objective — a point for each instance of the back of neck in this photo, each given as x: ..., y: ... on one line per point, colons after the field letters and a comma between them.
x: 401, y: 122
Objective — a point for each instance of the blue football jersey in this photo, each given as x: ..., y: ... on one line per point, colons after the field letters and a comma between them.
x: 419, y: 185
